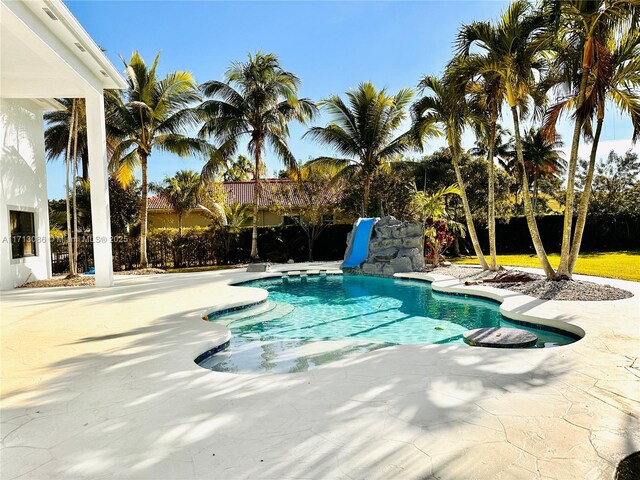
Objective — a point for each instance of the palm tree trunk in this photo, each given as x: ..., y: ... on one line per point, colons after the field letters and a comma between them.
x: 365, y: 200
x: 491, y: 216
x: 74, y: 176
x: 565, y: 251
x: 72, y: 268
x: 535, y: 193
x: 85, y: 164
x: 528, y: 207
x: 583, y: 208
x: 256, y: 194
x: 179, y: 224
x: 143, y: 211
x: 467, y: 212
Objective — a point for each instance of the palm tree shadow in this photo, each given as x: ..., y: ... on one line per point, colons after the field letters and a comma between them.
x: 141, y: 401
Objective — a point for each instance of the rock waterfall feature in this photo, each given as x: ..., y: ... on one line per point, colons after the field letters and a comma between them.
x: 394, y: 247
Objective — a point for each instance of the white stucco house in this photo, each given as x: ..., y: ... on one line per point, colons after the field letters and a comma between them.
x: 46, y: 54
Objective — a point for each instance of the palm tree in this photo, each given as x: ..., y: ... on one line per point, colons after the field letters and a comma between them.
x: 364, y: 131
x: 488, y: 93
x: 59, y: 129
x: 542, y: 159
x: 238, y: 217
x: 181, y: 192
x: 501, y: 146
x: 586, y: 24
x: 257, y: 101
x: 615, y: 78
x: 240, y: 169
x: 70, y: 157
x: 151, y: 114
x: 511, y: 51
x: 449, y: 108
x: 66, y: 135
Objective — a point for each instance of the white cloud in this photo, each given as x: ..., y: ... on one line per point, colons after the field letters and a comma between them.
x: 604, y: 147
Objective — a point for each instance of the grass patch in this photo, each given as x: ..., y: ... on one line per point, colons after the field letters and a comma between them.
x: 623, y: 265
x: 207, y: 268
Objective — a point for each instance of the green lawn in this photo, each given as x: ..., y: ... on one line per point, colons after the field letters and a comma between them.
x: 202, y: 269
x: 624, y: 265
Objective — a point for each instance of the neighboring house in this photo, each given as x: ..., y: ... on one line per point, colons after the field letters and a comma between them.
x: 46, y: 54
x: 273, y: 190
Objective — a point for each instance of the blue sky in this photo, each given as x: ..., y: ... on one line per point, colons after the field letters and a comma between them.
x: 331, y: 46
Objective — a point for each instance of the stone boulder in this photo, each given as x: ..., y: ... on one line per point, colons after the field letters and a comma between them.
x: 395, y: 247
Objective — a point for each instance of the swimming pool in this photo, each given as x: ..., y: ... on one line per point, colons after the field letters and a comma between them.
x: 349, y: 315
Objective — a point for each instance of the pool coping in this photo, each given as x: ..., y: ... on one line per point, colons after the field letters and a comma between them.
x: 509, y: 302
x: 127, y: 370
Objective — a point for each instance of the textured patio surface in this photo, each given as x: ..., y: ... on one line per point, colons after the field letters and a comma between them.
x: 100, y: 383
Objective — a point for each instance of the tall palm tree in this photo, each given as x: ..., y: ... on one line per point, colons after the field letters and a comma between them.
x: 487, y: 92
x: 59, y: 129
x: 586, y: 24
x: 151, y: 114
x: 448, y: 107
x: 182, y: 193
x: 70, y: 157
x: 543, y: 158
x: 511, y: 50
x: 364, y: 131
x: 257, y: 101
x: 614, y: 78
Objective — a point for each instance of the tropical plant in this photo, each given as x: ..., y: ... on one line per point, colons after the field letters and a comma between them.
x: 511, y: 51
x: 448, y: 107
x: 614, y: 77
x: 364, y: 131
x: 124, y: 206
x: 257, y: 101
x: 543, y: 158
x: 151, y: 114
x: 487, y: 93
x: 437, y: 224
x: 59, y: 129
x: 71, y: 158
x: 181, y: 192
x: 241, y: 170
x: 389, y: 193
x: 583, y: 28
x: 501, y: 145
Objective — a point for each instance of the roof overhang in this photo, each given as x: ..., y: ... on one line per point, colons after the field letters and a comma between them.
x: 45, y: 53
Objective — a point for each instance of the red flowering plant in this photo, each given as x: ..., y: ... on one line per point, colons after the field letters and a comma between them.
x: 438, y: 237
x: 439, y: 228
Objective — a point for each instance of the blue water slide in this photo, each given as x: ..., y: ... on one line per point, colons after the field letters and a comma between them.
x: 359, y: 248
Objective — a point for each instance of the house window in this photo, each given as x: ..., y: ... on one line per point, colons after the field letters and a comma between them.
x: 23, y: 234
x: 328, y: 219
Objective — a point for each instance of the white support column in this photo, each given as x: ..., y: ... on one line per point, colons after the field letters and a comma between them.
x: 99, y: 177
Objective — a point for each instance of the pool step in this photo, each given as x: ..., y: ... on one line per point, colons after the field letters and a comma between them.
x: 259, y: 309
x: 278, y: 310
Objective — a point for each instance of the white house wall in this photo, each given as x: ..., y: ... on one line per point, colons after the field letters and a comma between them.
x: 23, y: 187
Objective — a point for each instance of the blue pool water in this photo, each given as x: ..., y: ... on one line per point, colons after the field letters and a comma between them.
x: 352, y: 314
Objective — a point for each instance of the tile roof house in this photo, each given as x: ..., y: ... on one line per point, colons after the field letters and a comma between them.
x: 275, y: 192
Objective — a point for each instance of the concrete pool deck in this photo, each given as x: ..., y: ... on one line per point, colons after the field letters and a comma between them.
x: 100, y: 383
